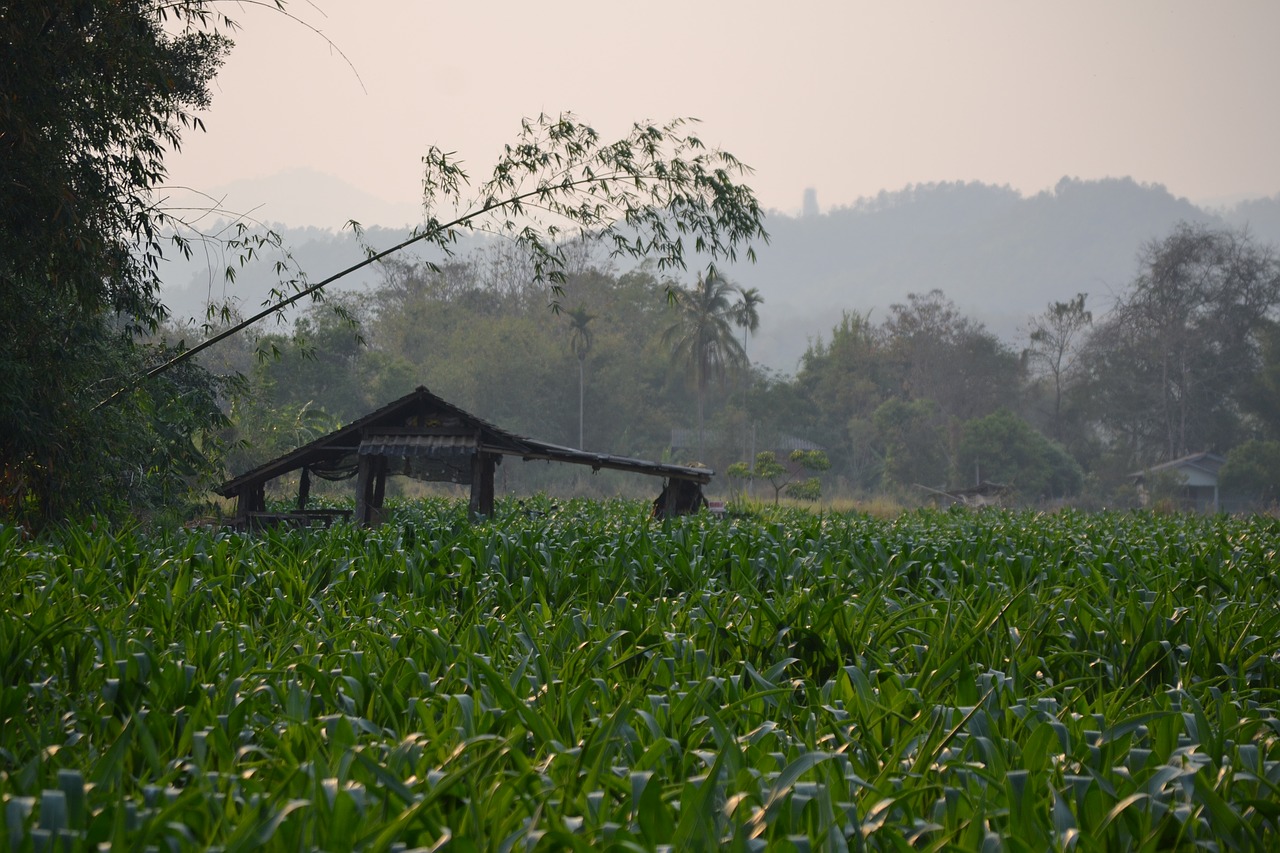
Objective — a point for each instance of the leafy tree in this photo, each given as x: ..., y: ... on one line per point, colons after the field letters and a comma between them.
x: 580, y: 337
x: 843, y: 380
x: 559, y: 187
x: 1003, y: 448
x: 746, y: 314
x: 1055, y: 337
x: 323, y: 363
x: 943, y: 356
x: 783, y: 477
x: 266, y: 429
x: 913, y: 440
x: 747, y: 318
x: 455, y: 330
x: 1169, y: 366
x: 939, y: 355
x: 701, y: 338
x: 1252, y: 472
x: 1260, y: 397
x: 92, y: 97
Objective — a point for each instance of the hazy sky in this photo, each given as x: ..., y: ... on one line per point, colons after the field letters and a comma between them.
x: 847, y: 97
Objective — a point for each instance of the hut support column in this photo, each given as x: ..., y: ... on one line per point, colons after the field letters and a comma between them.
x: 253, y: 499
x: 250, y: 499
x: 364, y: 489
x: 380, y: 483
x: 482, y: 471
x: 381, y: 463
x: 304, y: 488
x: 679, y: 497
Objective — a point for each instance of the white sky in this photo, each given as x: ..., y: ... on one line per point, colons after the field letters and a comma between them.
x: 848, y: 97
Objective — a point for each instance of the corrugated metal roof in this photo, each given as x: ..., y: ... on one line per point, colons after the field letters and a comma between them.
x: 418, y: 445
x: 543, y: 450
x: 1206, y: 461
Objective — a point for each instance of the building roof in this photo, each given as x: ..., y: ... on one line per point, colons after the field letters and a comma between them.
x: 422, y: 425
x: 1205, y: 462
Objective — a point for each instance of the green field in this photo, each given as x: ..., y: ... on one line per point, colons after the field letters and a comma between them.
x: 584, y: 677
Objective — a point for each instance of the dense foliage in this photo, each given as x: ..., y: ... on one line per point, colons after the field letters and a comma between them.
x: 927, y: 397
x: 1168, y: 370
x: 593, y: 679
x: 92, y: 98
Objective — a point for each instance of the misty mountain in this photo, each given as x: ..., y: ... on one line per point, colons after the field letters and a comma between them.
x: 999, y: 255
x: 1261, y: 216
x: 317, y: 252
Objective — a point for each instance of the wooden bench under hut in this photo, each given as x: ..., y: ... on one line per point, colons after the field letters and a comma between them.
x: 427, y: 438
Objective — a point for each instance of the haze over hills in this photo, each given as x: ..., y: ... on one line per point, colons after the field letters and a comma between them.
x: 999, y: 255
x: 299, y: 198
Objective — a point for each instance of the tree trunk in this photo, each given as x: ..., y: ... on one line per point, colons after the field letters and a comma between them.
x: 702, y: 394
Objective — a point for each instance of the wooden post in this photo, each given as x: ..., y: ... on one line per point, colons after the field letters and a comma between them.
x: 304, y: 488
x: 482, y: 472
x: 251, y: 498
x: 379, y: 489
x: 679, y: 497
x: 488, y: 465
x: 364, y: 489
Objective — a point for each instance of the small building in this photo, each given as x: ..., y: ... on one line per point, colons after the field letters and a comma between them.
x: 426, y: 438
x: 1197, y: 477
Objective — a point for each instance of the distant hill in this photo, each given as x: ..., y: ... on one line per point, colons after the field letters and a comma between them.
x: 308, y: 209
x: 190, y: 285
x: 1000, y: 256
x: 1261, y: 216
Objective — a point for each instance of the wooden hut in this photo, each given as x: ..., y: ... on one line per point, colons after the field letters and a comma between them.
x: 427, y: 438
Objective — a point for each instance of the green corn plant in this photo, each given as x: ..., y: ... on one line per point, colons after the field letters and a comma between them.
x: 587, y: 678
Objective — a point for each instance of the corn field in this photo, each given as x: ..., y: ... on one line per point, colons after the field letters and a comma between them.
x: 583, y: 677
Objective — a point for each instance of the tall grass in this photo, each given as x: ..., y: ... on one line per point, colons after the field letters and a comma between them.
x: 584, y: 677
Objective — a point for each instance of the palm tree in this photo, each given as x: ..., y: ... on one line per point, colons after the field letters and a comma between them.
x: 746, y: 314
x: 580, y: 339
x: 702, y: 339
x: 747, y: 317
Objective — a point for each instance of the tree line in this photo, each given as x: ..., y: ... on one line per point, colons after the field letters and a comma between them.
x: 637, y: 363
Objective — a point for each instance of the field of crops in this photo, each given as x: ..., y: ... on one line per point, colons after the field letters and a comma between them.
x: 588, y: 678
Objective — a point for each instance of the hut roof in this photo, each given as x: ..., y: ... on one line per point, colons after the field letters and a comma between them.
x: 420, y: 424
